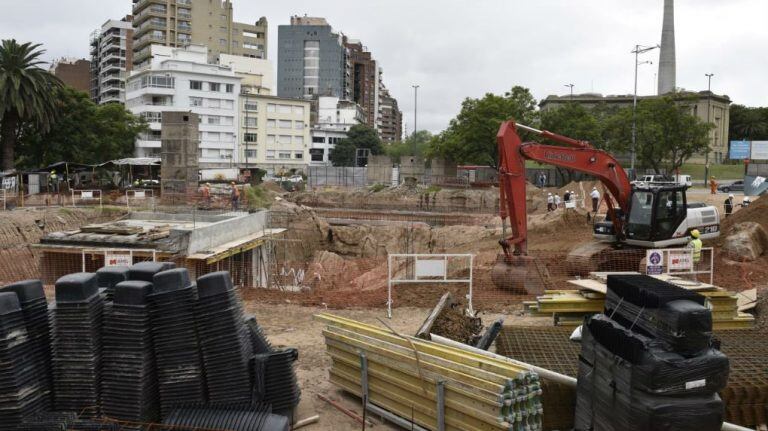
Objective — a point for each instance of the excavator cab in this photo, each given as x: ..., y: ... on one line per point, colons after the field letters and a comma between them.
x: 655, y: 215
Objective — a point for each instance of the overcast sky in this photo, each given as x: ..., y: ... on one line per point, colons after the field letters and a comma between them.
x: 456, y: 49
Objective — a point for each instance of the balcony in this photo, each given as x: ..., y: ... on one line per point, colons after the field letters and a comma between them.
x: 152, y: 11
x: 147, y: 39
x: 111, y: 98
x: 112, y: 77
x: 118, y: 66
x: 140, y: 5
x: 152, y: 24
x: 184, y: 15
x: 182, y: 28
x: 113, y: 57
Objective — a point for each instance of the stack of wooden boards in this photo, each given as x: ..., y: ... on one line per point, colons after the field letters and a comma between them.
x: 568, y: 307
x: 403, y: 374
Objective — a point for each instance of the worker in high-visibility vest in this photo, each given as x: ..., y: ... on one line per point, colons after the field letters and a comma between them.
x: 695, y: 244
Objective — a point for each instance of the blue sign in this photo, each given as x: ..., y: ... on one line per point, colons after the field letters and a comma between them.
x: 739, y: 150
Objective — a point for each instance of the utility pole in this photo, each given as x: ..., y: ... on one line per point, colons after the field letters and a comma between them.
x: 709, y: 134
x: 571, y: 87
x: 637, y: 51
x: 415, y: 117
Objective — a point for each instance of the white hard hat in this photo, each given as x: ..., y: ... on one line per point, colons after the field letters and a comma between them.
x: 730, y: 195
x: 549, y: 194
x: 594, y: 188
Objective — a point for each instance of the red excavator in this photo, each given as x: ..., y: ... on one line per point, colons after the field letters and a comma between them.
x: 638, y: 215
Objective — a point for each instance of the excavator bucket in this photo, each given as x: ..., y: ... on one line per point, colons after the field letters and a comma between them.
x: 517, y: 274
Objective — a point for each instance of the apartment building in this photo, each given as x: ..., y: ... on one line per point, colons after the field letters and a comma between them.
x: 181, y: 79
x: 74, y: 72
x: 390, y: 119
x: 275, y: 132
x: 178, y: 23
x: 111, y: 60
x: 316, y: 61
x: 311, y: 60
x: 334, y: 119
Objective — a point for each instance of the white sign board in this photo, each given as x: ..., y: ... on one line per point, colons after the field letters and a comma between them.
x: 758, y: 180
x: 9, y: 183
x: 654, y: 262
x: 430, y: 268
x: 759, y: 150
x: 140, y: 194
x: 570, y: 204
x: 680, y: 259
x: 118, y: 259
x: 86, y: 195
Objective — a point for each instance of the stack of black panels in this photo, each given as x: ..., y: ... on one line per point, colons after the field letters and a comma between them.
x: 660, y: 310
x: 109, y: 277
x: 129, y: 381
x: 34, y: 306
x: 259, y: 341
x: 20, y: 395
x: 48, y: 421
x: 275, y: 380
x: 77, y: 329
x: 145, y: 271
x: 175, y: 342
x: 253, y: 419
x: 224, y: 340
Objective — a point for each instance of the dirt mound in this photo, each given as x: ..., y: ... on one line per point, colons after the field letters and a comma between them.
x: 454, y: 324
x: 756, y: 212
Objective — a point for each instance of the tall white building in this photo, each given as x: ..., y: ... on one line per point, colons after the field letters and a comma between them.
x: 180, y: 79
x: 334, y: 119
x: 111, y: 48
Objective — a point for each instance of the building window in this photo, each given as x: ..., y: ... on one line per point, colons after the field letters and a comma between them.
x: 299, y: 125
x: 250, y: 154
x: 251, y: 106
x: 298, y: 140
x: 271, y: 124
x: 271, y: 139
x: 247, y: 45
x: 299, y: 155
x: 270, y: 154
x: 318, y: 140
x: 283, y: 155
x: 214, y: 103
x: 195, y: 101
x: 251, y: 122
x: 250, y: 137
x: 283, y: 109
x: 196, y: 85
x: 284, y: 139
x: 230, y: 88
x: 212, y: 119
x: 316, y: 154
x: 285, y: 124
x: 271, y: 107
x: 298, y: 110
x: 152, y: 117
x: 214, y: 86
x: 247, y: 33
x: 212, y: 136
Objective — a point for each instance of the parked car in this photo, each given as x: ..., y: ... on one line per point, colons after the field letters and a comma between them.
x: 736, y: 186
x: 664, y: 179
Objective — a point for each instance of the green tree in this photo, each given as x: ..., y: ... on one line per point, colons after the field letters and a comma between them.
x: 417, y: 144
x: 574, y: 121
x: 668, y: 133
x: 471, y: 135
x: 748, y: 123
x: 358, y: 136
x: 84, y: 132
x: 26, y: 95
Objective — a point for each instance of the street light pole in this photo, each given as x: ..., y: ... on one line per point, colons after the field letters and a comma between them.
x: 571, y: 87
x: 415, y: 117
x: 709, y: 134
x: 637, y: 51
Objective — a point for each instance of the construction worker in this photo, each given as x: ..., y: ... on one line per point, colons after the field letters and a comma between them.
x: 550, y: 202
x: 745, y: 202
x: 728, y: 204
x: 695, y: 244
x: 54, y: 180
x: 712, y: 185
x: 567, y: 196
x: 557, y: 201
x: 235, y: 197
x: 595, y: 195
x: 542, y: 180
x: 206, y: 194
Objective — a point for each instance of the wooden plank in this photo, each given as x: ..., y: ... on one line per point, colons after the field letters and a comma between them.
x: 426, y: 327
x: 590, y: 285
x: 747, y: 299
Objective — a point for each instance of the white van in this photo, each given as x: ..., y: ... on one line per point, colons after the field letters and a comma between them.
x: 663, y: 179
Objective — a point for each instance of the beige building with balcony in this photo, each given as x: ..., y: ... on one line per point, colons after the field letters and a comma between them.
x: 178, y: 23
x: 708, y: 106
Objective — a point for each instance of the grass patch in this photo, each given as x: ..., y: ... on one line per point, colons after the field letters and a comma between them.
x: 727, y: 172
x: 377, y: 187
x: 433, y: 189
x: 256, y: 197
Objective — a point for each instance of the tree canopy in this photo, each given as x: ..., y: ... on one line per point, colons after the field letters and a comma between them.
x: 26, y: 95
x: 748, y: 123
x: 574, y: 121
x: 84, y: 132
x: 471, y: 135
x: 358, y: 136
x: 668, y: 133
x: 417, y: 145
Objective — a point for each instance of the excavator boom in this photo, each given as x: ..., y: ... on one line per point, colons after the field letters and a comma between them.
x: 575, y: 155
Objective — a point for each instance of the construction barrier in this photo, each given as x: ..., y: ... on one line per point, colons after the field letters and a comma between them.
x: 140, y: 198
x: 86, y: 197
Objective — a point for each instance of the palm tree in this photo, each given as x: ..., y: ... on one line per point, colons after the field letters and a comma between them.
x: 26, y: 94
